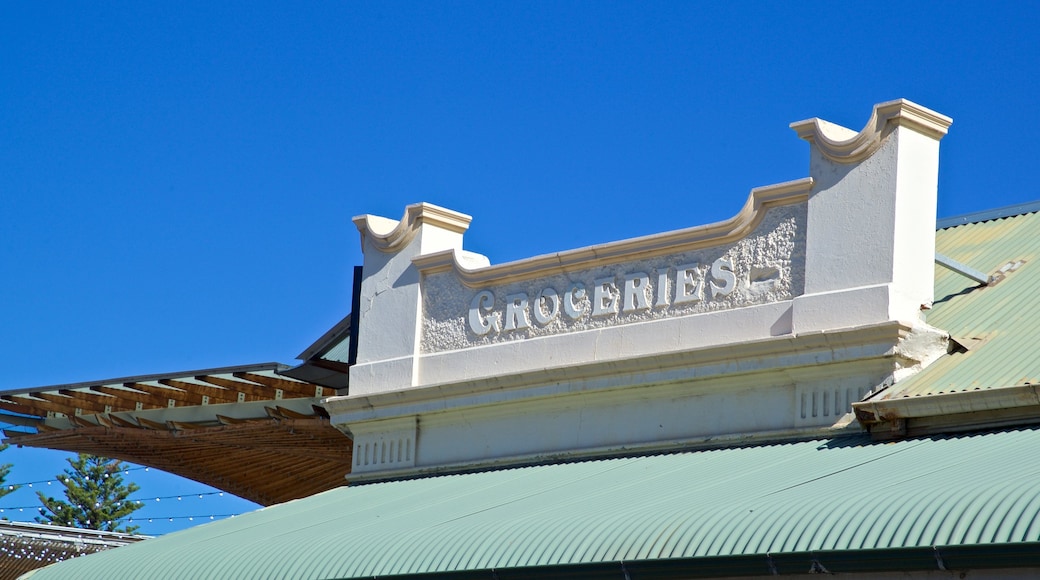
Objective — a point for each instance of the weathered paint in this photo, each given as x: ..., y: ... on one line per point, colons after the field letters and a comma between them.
x: 1000, y: 321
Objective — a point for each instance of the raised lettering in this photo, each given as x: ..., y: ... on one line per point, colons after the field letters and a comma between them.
x: 604, y: 297
x: 635, y: 292
x: 482, y: 304
x: 574, y: 301
x: 661, y: 296
x: 689, y: 284
x: 546, y: 306
x: 516, y: 312
x: 726, y: 276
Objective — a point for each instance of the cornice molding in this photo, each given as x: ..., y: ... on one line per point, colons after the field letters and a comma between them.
x: 759, y: 202
x: 789, y: 351
x: 402, y: 232
x: 828, y: 137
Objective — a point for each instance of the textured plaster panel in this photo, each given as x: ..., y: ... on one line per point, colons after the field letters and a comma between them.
x: 768, y: 265
x: 601, y: 344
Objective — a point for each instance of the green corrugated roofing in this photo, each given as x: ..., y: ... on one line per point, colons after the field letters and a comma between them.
x: 1003, y: 315
x: 846, y: 493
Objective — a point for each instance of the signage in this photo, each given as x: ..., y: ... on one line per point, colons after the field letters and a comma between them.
x: 765, y: 265
x: 608, y: 297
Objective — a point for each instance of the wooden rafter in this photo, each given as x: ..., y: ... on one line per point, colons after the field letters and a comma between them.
x: 231, y: 420
x: 81, y: 422
x: 184, y: 426
x: 71, y: 404
x: 154, y: 425
x: 290, y: 414
x: 197, y: 391
x: 180, y: 395
x: 21, y: 409
x: 118, y: 421
x: 147, y: 400
x: 256, y: 392
x: 287, y: 386
x: 39, y: 406
x: 104, y: 401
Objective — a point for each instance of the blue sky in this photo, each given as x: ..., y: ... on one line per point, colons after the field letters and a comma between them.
x: 177, y: 179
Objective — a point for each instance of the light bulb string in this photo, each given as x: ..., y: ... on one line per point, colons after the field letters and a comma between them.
x: 132, y: 519
x: 63, y: 478
x: 139, y: 501
x: 153, y: 519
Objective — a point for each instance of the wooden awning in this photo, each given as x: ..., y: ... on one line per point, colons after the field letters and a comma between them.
x: 246, y: 430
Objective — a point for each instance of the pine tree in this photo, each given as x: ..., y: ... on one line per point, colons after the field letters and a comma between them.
x: 4, y: 470
x: 96, y: 494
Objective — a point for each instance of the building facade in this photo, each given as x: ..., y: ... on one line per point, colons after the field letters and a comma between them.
x: 784, y: 392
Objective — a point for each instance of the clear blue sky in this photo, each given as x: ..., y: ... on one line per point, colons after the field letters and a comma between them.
x: 177, y: 179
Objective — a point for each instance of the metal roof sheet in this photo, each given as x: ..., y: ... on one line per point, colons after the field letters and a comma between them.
x: 846, y: 493
x: 1002, y: 315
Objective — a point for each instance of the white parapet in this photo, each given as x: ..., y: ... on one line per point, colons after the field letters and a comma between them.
x: 871, y: 219
x: 391, y: 294
x: 772, y: 321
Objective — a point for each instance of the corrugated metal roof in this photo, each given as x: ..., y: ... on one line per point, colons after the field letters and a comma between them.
x: 841, y: 494
x: 988, y: 214
x: 1003, y: 315
x: 25, y: 546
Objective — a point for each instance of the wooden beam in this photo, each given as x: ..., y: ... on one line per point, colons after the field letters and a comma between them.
x: 21, y: 409
x: 40, y: 407
x: 184, y: 398
x: 258, y: 392
x: 155, y: 425
x: 185, y: 426
x: 81, y: 422
x: 215, y: 394
x: 71, y: 403
x: 147, y: 400
x: 233, y: 421
x: 300, y: 389
x: 105, y: 401
x: 290, y: 414
x: 120, y: 422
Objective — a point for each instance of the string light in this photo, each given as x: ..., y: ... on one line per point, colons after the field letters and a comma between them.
x: 132, y: 519
x: 180, y: 497
x: 65, y: 479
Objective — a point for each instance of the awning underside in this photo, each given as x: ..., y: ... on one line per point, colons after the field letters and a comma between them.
x: 246, y: 430
x: 267, y: 461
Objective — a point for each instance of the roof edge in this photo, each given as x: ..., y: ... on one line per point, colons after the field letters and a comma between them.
x: 268, y: 366
x: 328, y: 340
x: 918, y: 558
x: 988, y: 215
